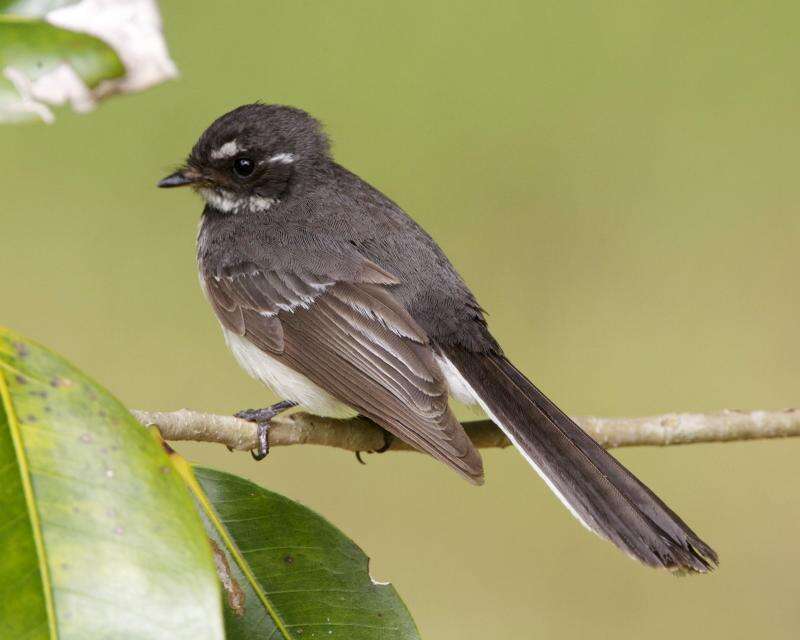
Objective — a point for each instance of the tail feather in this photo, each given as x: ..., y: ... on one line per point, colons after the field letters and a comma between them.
x: 594, y: 486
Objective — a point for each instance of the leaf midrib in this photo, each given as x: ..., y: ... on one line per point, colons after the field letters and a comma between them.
x: 33, y: 512
x: 243, y: 565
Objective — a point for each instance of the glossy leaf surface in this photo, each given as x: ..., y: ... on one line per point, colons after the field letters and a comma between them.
x: 300, y: 577
x: 100, y: 538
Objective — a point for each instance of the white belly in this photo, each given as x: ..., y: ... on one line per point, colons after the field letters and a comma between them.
x: 458, y: 387
x: 286, y: 383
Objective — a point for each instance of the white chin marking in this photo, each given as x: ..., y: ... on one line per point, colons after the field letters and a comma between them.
x: 227, y: 150
x: 226, y: 202
x: 463, y: 392
x: 285, y: 382
x: 258, y: 203
x: 282, y: 158
x: 219, y: 199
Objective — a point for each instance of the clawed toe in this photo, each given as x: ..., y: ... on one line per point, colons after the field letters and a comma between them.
x: 262, y: 417
x: 256, y: 415
x: 262, y: 435
x: 388, y: 438
x: 387, y: 442
x: 267, y: 413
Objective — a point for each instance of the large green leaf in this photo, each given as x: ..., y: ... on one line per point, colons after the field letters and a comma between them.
x: 293, y: 574
x: 99, y: 537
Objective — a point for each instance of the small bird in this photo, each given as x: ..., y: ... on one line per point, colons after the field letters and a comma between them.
x: 331, y: 295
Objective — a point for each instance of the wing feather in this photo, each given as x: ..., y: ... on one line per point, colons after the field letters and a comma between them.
x: 350, y: 336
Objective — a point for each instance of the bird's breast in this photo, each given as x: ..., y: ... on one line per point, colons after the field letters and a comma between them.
x: 284, y: 381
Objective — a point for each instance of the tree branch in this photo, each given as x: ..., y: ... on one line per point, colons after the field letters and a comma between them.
x: 360, y: 434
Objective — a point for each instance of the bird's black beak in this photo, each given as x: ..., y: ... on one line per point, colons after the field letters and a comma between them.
x: 180, y: 178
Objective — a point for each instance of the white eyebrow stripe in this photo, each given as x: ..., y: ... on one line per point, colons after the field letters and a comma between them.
x: 227, y: 150
x: 282, y: 158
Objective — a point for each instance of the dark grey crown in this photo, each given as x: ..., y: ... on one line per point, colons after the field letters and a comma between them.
x: 264, y: 130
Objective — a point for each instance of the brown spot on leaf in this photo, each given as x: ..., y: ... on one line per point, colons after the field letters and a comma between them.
x: 21, y: 379
x: 288, y: 559
x: 22, y: 349
x: 61, y: 383
x: 86, y: 438
x: 234, y: 592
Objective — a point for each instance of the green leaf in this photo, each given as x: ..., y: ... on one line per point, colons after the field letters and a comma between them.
x: 34, y: 56
x: 100, y: 538
x: 29, y: 8
x: 301, y: 578
x: 54, y: 52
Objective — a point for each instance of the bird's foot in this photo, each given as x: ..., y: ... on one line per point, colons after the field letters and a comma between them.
x: 262, y: 419
x: 388, y: 438
x: 267, y: 413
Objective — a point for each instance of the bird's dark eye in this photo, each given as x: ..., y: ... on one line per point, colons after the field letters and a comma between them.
x: 243, y: 167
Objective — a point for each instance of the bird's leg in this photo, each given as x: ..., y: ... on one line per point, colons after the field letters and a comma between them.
x: 262, y: 417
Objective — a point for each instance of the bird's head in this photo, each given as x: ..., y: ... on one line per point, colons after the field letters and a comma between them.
x: 248, y: 158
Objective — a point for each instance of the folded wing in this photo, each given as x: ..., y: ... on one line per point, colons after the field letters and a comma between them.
x: 347, y: 333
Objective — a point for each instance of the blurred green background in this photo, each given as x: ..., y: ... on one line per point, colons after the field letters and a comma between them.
x: 618, y: 184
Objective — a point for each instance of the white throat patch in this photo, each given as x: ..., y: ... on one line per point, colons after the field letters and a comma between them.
x: 227, y: 202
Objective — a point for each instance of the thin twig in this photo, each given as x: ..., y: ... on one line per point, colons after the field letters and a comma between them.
x: 359, y: 434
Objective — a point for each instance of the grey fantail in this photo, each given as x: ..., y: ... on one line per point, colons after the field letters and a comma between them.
x: 330, y: 294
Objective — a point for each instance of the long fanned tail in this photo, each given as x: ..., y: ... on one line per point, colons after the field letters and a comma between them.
x: 597, y: 489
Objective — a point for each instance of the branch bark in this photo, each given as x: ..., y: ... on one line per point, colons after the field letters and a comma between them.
x: 360, y: 434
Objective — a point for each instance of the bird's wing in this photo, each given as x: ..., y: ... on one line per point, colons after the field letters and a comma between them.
x: 351, y: 337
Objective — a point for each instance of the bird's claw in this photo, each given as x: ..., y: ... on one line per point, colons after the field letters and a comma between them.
x: 388, y: 438
x: 262, y: 417
x: 262, y: 435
